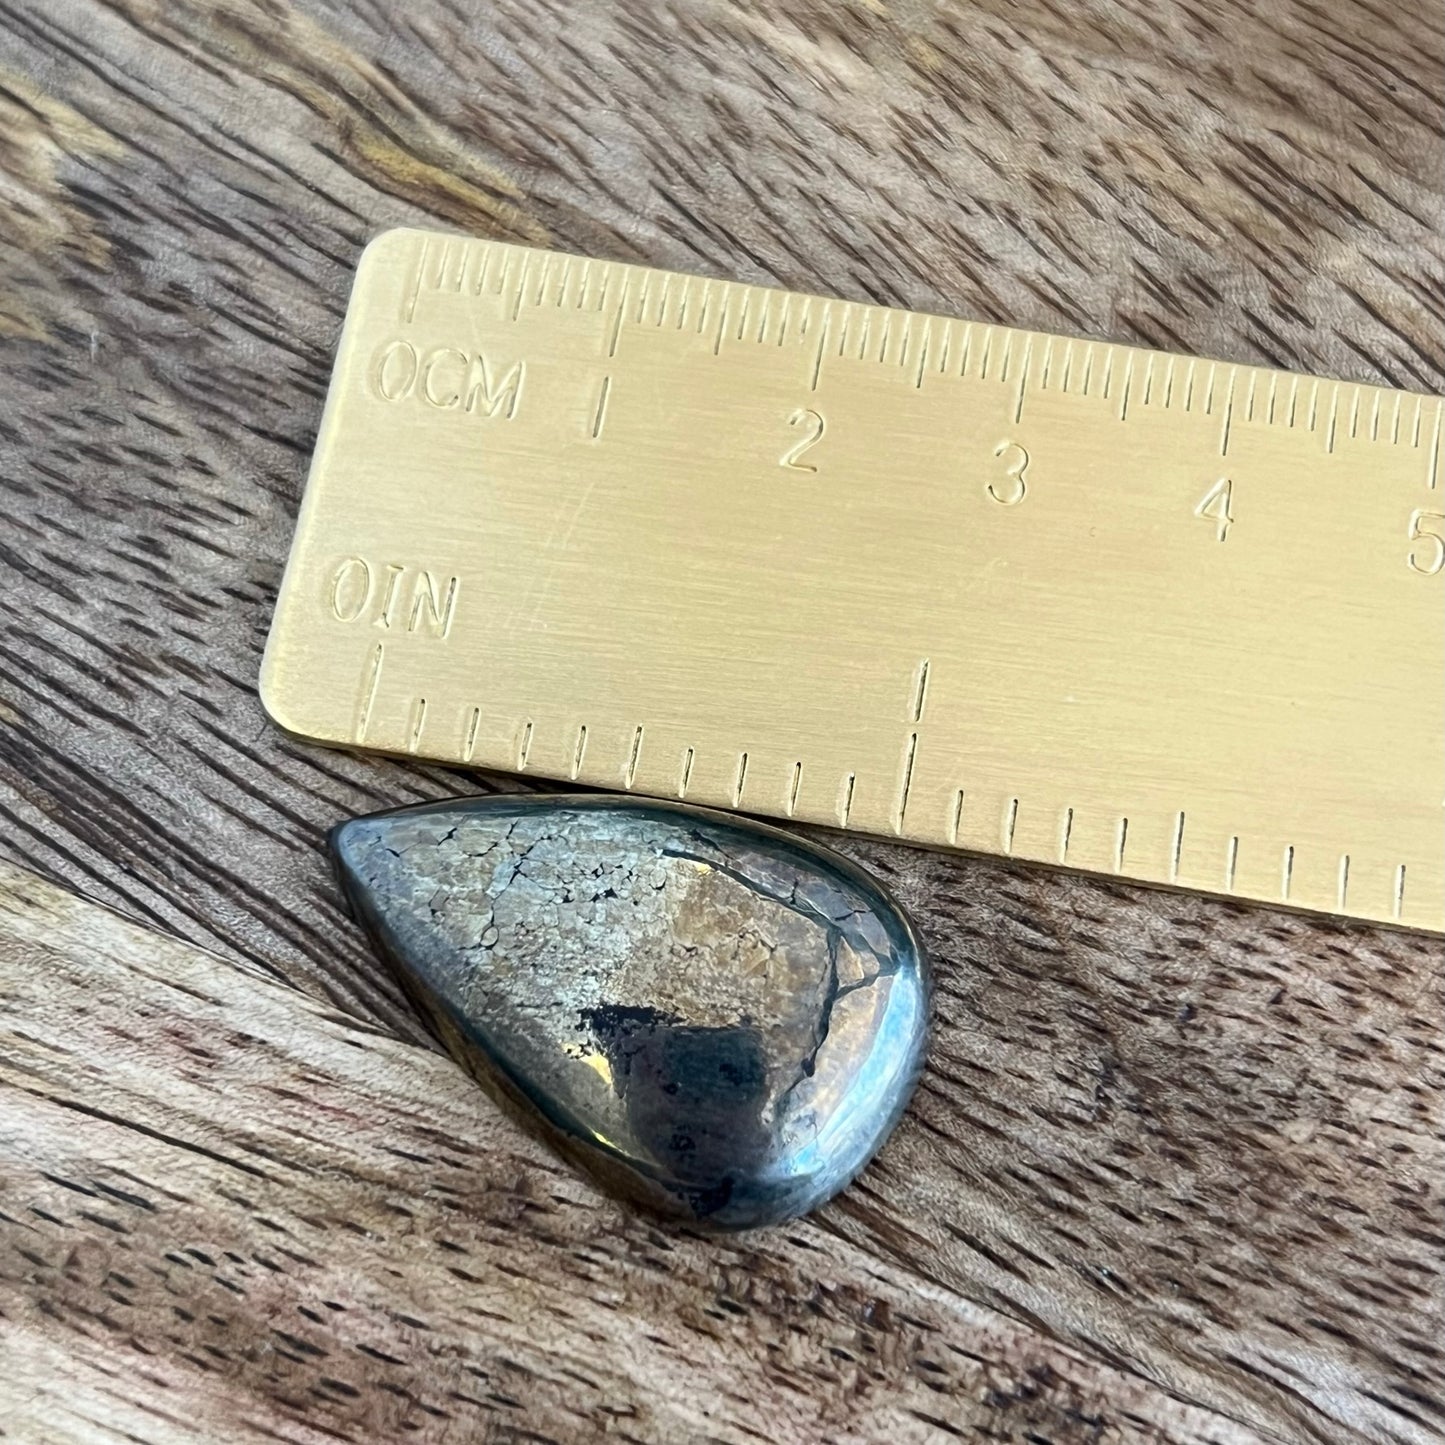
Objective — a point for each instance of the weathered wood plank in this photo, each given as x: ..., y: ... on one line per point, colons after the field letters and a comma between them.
x: 1199, y: 1142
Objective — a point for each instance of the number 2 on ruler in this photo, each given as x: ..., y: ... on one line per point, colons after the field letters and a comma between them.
x: 813, y: 422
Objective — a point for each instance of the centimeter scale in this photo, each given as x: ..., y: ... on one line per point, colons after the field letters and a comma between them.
x: 1169, y: 619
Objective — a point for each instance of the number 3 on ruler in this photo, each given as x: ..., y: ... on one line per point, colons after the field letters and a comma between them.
x: 814, y: 426
x: 1011, y: 491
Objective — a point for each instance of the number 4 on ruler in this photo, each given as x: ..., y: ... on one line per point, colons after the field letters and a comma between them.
x: 1214, y: 506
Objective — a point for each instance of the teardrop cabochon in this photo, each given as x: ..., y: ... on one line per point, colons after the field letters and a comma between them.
x: 713, y: 1017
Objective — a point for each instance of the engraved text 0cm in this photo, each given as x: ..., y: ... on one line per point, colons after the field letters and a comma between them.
x: 447, y: 378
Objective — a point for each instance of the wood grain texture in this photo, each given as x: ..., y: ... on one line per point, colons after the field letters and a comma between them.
x: 337, y: 1250
x: 1176, y: 1170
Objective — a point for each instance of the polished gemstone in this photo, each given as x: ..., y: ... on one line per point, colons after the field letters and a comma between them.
x: 712, y: 1017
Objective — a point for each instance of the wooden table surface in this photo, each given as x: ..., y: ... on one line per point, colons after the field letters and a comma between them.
x: 1176, y: 1170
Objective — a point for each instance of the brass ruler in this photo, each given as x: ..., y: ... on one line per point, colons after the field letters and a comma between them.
x: 1164, y: 618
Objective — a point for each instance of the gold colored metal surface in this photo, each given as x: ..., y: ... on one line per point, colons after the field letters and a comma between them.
x: 1169, y: 619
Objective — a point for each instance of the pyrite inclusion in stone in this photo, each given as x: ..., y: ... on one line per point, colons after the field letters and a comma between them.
x: 712, y: 1017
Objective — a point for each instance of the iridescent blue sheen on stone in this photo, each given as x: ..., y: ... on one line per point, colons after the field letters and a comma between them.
x: 713, y: 1018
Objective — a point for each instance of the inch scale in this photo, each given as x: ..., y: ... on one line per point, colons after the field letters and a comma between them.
x: 1146, y: 615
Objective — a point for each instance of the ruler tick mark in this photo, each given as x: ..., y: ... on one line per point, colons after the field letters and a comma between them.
x: 741, y: 780
x: 368, y: 692
x: 439, y: 284
x: 1228, y: 412
x: 686, y: 775
x: 483, y: 280
x: 793, y: 790
x: 747, y: 295
x: 505, y: 274
x: 630, y: 776
x: 966, y: 348
x: 1128, y: 382
x: 1231, y: 864
x: 470, y: 746
x: 521, y: 289
x: 1121, y: 838
x: 1024, y: 376
x: 413, y: 293
x: 1397, y: 907
x: 524, y: 748
x: 910, y: 754
x: 616, y: 335
x: 1343, y: 891
x: 1433, y: 478
x: 597, y: 420
x: 1286, y: 876
x: 845, y: 807
x: 920, y: 695
x: 418, y: 721
x: 957, y: 817
x: 1010, y: 822
x: 923, y: 355
x: 822, y: 346
x: 1178, y: 846
x: 1334, y: 417
x: 580, y: 751
x: 1066, y: 829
